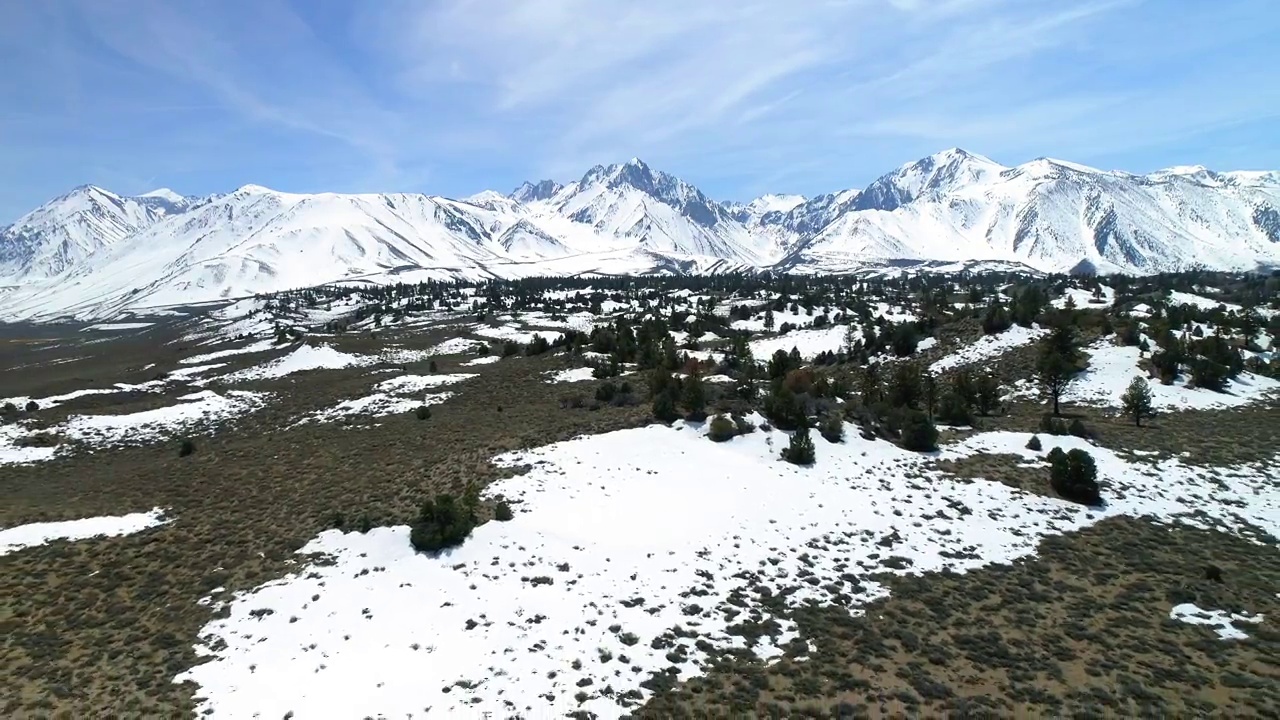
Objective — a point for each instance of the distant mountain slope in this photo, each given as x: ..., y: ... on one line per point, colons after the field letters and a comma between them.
x: 92, y: 253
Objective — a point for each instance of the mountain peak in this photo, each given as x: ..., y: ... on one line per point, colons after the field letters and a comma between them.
x: 164, y: 194
x: 532, y: 192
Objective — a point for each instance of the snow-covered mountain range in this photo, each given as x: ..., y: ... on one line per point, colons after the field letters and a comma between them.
x: 92, y: 253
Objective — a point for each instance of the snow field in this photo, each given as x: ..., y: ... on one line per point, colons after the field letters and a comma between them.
x: 1112, y: 367
x: 610, y: 533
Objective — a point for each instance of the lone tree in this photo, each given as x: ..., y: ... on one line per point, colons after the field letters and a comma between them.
x: 1136, y: 401
x: 1057, y: 363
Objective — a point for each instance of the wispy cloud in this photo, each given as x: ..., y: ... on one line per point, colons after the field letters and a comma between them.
x: 455, y: 95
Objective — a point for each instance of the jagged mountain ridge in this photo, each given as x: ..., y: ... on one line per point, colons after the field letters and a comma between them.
x: 92, y: 253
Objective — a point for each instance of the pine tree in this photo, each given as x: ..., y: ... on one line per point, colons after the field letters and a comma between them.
x: 1136, y: 401
x: 987, y: 393
x: 694, y: 398
x: 1057, y: 363
x: 800, y: 451
x: 664, y: 406
x: 768, y: 319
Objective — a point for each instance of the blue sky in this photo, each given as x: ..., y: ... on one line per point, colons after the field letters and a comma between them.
x: 739, y: 97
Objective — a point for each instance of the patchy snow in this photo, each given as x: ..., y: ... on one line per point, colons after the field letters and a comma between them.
x: 196, y: 409
x: 610, y: 533
x: 33, y: 534
x: 990, y: 346
x: 375, y: 405
x: 403, y: 384
x: 455, y: 346
x: 926, y: 344
x: 514, y: 332
x: 571, y: 375
x: 260, y: 346
x: 483, y: 360
x: 756, y: 324
x: 1221, y: 621
x: 120, y: 326
x: 305, y: 357
x: 13, y: 454
x: 1177, y: 297
x: 390, y: 397
x: 1112, y: 367
x: 1082, y: 298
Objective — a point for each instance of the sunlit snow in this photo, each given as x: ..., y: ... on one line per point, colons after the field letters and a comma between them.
x: 611, y: 533
x: 32, y: 534
x: 1222, y: 622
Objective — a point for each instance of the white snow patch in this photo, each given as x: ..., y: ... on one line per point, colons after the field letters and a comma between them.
x: 260, y: 346
x: 33, y: 534
x: 807, y: 342
x: 1221, y: 621
x: 513, y: 332
x: 1082, y: 298
x: 120, y: 326
x: 571, y: 375
x: 305, y: 357
x: 403, y: 384
x: 454, y: 346
x: 12, y: 454
x: 483, y: 360
x: 197, y: 409
x: 623, y: 515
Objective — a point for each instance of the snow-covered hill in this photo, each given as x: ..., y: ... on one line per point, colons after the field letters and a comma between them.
x: 92, y: 253
x: 63, y: 232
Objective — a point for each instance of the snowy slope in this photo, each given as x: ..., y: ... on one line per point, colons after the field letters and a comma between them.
x: 63, y: 232
x: 93, y: 254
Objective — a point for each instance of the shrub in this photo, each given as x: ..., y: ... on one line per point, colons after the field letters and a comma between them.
x: 800, y: 450
x: 422, y: 412
x: 832, y: 428
x: 694, y: 398
x: 32, y: 406
x: 1052, y: 425
x: 431, y: 367
x: 186, y: 447
x: 442, y: 522
x: 502, y: 511
x: 1078, y: 429
x: 9, y: 409
x: 918, y: 432
x: 953, y: 410
x: 1034, y: 443
x: 510, y: 347
x: 987, y: 394
x: 1074, y: 476
x: 606, y: 392
x: 664, y: 407
x: 784, y: 409
x: 537, y: 346
x: 744, y: 425
x: 722, y: 429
